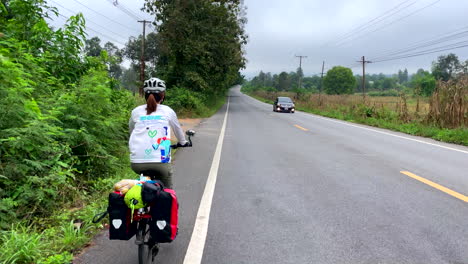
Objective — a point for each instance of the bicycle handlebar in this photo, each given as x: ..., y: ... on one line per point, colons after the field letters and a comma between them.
x: 190, y: 133
x: 178, y: 145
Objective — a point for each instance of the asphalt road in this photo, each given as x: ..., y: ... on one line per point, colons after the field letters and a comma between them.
x: 298, y: 188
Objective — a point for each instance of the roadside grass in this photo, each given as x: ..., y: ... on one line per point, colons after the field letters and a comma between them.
x: 213, y: 105
x: 55, y: 239
x: 376, y: 114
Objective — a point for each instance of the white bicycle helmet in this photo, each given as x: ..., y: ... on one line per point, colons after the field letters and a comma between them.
x: 154, y: 85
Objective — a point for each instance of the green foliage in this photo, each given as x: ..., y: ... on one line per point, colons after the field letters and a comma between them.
x: 283, y: 82
x: 63, y: 258
x: 130, y: 79
x: 391, y: 92
x: 132, y: 51
x: 73, y: 236
x: 200, y: 43
x: 447, y: 67
x: 20, y: 245
x: 423, y: 83
x: 114, y: 60
x: 63, y: 133
x: 339, y: 80
x: 188, y: 102
x: 63, y: 125
x: 93, y: 47
x: 402, y: 76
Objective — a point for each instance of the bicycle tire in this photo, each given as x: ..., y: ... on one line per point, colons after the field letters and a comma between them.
x: 144, y: 252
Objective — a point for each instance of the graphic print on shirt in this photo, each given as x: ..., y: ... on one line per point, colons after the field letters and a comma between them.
x: 150, y: 140
x: 152, y: 133
x: 164, y: 146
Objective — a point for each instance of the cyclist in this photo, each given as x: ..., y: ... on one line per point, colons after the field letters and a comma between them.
x: 150, y: 131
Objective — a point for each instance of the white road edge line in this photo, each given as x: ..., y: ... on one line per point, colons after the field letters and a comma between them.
x: 197, y: 241
x: 390, y: 134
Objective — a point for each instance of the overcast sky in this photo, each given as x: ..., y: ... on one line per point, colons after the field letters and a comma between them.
x: 338, y: 32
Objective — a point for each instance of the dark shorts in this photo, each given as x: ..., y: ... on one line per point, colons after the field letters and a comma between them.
x: 161, y: 171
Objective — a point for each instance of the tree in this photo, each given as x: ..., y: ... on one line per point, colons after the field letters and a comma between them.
x: 93, y: 47
x: 368, y: 83
x: 389, y: 83
x: 300, y: 76
x: 113, y: 51
x: 312, y: 84
x: 402, y: 76
x: 115, y: 59
x: 262, y: 79
x: 132, y: 49
x: 339, y: 80
x: 423, y: 83
x: 268, y: 80
x: 200, y: 42
x: 283, y: 81
x: 446, y: 67
x: 130, y: 79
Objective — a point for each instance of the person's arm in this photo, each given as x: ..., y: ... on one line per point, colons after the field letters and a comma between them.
x: 174, y: 123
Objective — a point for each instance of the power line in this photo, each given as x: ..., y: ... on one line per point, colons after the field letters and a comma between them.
x: 394, y: 21
x: 427, y: 43
x: 87, y: 20
x: 97, y: 32
x: 434, y: 50
x: 387, y: 14
x: 448, y: 34
x: 127, y: 11
x: 123, y: 9
x: 100, y: 14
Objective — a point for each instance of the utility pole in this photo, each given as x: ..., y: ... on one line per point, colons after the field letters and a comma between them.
x: 142, y: 57
x: 321, y: 84
x: 363, y: 61
x: 300, y: 67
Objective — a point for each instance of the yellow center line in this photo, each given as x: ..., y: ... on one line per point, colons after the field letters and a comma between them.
x: 305, y: 129
x: 437, y: 186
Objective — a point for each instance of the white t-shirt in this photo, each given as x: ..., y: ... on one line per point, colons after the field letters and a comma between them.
x: 150, y: 134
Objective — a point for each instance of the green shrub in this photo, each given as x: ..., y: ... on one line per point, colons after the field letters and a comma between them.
x: 61, y: 129
x: 391, y: 92
x: 186, y: 102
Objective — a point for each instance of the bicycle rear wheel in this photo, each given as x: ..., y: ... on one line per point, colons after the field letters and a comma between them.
x: 144, y: 250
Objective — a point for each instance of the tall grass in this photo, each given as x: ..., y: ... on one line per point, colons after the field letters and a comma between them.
x: 20, y: 245
x: 449, y: 104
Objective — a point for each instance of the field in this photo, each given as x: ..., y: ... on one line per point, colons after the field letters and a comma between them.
x: 392, y: 103
x: 443, y: 116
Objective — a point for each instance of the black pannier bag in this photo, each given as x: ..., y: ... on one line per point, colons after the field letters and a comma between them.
x: 164, y: 216
x: 120, y: 224
x: 150, y: 191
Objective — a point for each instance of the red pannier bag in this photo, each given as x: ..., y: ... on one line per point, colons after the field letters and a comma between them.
x: 164, y: 217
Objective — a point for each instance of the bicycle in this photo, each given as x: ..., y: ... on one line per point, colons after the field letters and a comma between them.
x: 147, y: 250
